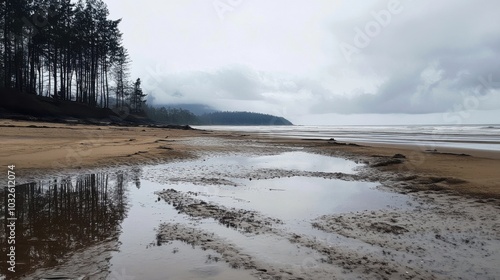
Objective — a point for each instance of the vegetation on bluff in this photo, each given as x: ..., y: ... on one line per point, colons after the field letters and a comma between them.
x: 180, y: 116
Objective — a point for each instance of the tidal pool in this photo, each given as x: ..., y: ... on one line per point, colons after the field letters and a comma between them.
x: 58, y: 216
x: 303, y: 161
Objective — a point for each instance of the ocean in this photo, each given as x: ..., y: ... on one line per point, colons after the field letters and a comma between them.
x: 480, y: 137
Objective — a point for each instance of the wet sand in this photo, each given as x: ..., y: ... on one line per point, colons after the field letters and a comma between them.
x: 48, y: 147
x: 435, y: 235
x: 449, y: 229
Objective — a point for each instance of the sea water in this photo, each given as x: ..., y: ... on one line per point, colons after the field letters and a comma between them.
x: 481, y: 137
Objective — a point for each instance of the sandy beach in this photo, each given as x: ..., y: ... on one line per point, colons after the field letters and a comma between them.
x: 40, y: 147
x: 447, y: 230
x: 222, y: 140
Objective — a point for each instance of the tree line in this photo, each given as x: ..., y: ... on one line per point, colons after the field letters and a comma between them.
x: 65, y: 50
x: 168, y: 115
x: 242, y: 118
x: 180, y: 116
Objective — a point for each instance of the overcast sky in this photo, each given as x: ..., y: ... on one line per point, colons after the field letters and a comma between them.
x: 320, y: 61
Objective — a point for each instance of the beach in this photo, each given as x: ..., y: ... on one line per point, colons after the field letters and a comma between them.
x: 222, y: 140
x: 40, y: 147
x: 397, y: 211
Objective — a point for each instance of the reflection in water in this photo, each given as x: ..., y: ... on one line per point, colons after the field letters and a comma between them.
x: 56, y: 217
x: 136, y: 176
x: 70, y: 218
x: 305, y: 162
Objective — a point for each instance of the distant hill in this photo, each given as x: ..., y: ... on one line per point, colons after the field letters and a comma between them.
x: 242, y: 118
x: 19, y: 105
x: 169, y: 115
x: 181, y: 116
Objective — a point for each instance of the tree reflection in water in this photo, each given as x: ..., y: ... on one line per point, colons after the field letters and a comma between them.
x: 58, y: 216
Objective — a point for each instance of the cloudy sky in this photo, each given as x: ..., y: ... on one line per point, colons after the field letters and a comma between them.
x: 320, y: 61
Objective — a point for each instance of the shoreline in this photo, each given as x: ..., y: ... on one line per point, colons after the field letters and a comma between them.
x: 482, y: 140
x: 491, y: 154
x: 37, y: 147
x: 447, y: 216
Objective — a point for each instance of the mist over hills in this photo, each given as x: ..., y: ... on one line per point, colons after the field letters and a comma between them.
x: 242, y: 118
x: 205, y: 115
x: 197, y: 109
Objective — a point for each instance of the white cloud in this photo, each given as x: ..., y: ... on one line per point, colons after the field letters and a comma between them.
x: 425, y: 57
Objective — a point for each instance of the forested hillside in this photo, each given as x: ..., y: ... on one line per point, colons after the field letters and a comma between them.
x: 66, y: 59
x: 242, y: 118
x: 167, y: 115
x: 66, y: 51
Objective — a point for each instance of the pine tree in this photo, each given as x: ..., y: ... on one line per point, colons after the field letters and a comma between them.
x: 137, y: 97
x: 63, y: 49
x: 121, y: 74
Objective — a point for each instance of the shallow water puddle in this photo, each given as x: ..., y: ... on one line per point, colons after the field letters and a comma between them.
x: 294, y: 200
x: 297, y: 200
x: 236, y: 166
x: 304, y: 162
x: 63, y: 215
x: 88, y: 209
x: 175, y: 260
x: 141, y: 256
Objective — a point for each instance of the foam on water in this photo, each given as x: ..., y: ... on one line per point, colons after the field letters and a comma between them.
x: 482, y: 137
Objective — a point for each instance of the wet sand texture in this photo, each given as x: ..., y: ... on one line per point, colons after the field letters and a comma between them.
x: 448, y: 230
